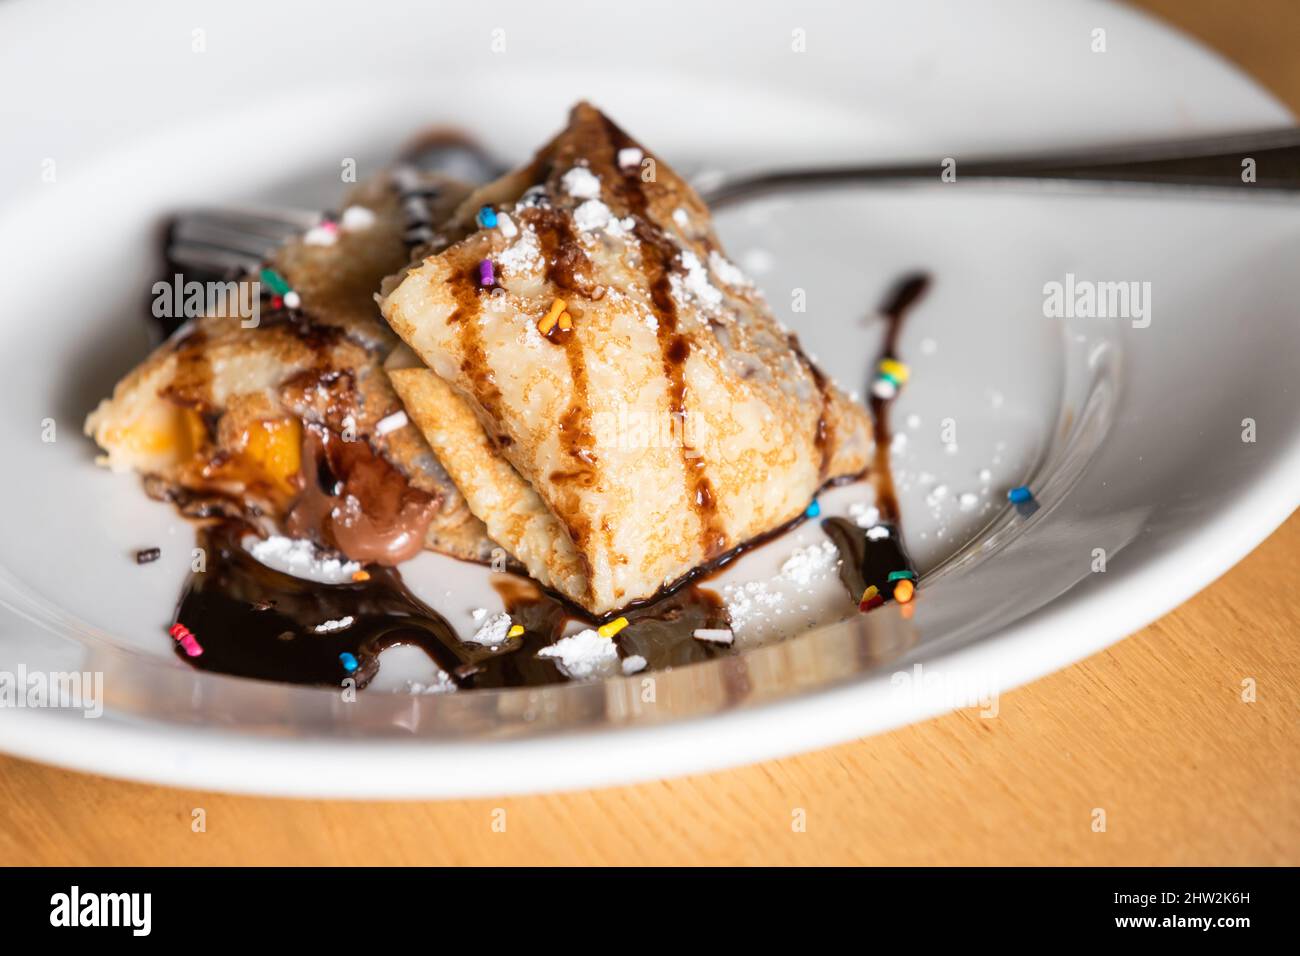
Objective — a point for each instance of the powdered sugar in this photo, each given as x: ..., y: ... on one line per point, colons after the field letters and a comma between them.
x: 523, y: 257
x: 300, y: 558
x: 807, y: 563
x: 581, y: 183
x: 727, y: 271
x: 582, y: 655
x: 695, y: 282
x: 492, y: 632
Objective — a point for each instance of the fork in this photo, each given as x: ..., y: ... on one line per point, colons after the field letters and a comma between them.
x: 232, y: 240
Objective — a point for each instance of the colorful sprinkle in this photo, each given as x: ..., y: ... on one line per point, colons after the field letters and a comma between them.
x: 487, y: 217
x: 901, y: 576
x: 189, y: 644
x: 516, y: 630
x: 813, y: 510
x: 348, y: 661
x: 275, y: 281
x: 507, y: 226
x: 552, y: 316
x: 904, y: 590
x: 612, y: 628
x: 486, y: 274
x: 1020, y: 495
x: 895, y: 370
x: 566, y: 322
x: 361, y: 576
x: 147, y: 555
x: 871, y: 598
x: 292, y: 300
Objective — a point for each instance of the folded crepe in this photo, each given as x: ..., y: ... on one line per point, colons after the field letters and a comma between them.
x: 292, y: 424
x: 612, y: 397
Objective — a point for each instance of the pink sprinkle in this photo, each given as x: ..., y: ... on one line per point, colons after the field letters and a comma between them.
x: 486, y: 274
x: 186, y: 639
x: 329, y: 225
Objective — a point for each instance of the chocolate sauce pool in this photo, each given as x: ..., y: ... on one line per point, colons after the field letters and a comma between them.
x: 254, y: 621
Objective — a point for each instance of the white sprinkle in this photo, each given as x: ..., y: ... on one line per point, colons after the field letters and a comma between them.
x: 341, y: 624
x: 391, y: 423
x: 507, y: 226
x: 633, y: 664
x: 492, y: 632
x: 320, y: 236
x: 713, y: 635
x: 292, y: 299
x: 681, y: 218
x: 629, y: 157
x: 884, y: 389
x: 357, y: 219
x: 968, y: 501
x: 585, y: 654
x: 898, y: 442
x: 299, y: 558
x: 478, y: 613
x: 581, y: 183
x: 878, y: 533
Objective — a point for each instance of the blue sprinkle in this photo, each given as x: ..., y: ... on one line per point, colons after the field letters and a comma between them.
x: 1020, y: 495
x: 814, y: 509
x: 349, y: 662
x: 487, y: 217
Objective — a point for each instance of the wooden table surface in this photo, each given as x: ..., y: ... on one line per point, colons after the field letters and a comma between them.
x: 1154, y: 731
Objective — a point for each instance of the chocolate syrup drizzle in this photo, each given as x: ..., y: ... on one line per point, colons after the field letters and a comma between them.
x: 866, y: 560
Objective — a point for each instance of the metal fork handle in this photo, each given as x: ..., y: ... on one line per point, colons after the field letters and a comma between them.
x: 1215, y: 162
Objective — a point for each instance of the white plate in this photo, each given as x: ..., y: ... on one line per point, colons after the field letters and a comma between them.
x: 1130, y: 436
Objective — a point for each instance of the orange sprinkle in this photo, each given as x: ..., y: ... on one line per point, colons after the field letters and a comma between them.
x: 360, y: 576
x: 566, y: 322
x: 903, y: 591
x: 551, y: 317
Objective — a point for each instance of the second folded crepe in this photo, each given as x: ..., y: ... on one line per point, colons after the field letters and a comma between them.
x: 613, y: 398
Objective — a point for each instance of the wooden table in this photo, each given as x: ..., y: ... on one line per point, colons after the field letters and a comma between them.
x: 1154, y: 731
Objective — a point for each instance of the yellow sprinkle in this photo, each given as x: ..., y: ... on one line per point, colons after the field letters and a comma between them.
x: 869, y: 593
x: 566, y: 322
x: 896, y: 369
x: 551, y: 317
x: 515, y: 631
x: 612, y: 628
